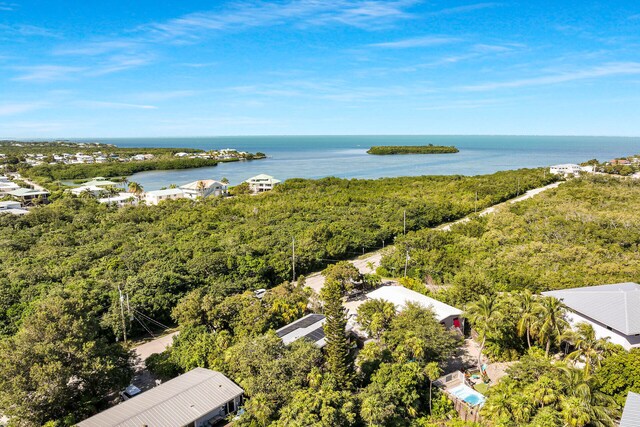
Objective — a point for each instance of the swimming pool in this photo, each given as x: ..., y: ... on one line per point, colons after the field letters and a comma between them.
x: 468, y: 394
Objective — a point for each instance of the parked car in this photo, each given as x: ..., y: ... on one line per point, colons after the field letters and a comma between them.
x: 130, y: 392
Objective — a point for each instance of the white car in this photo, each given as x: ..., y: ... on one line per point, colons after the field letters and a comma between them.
x: 130, y: 392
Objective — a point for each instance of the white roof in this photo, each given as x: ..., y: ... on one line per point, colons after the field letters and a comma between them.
x: 121, y: 197
x: 175, y: 403
x: 631, y: 413
x: 9, y: 204
x: 167, y: 192
x: 195, y: 185
x: 309, y: 326
x: 566, y: 166
x: 616, y: 306
x: 262, y: 177
x: 101, y: 182
x: 91, y: 188
x: 400, y: 296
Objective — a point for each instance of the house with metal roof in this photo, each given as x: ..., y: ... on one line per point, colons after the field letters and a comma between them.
x: 156, y: 196
x: 612, y: 310
x: 28, y: 196
x: 309, y: 327
x: 400, y: 296
x: 262, y: 182
x: 204, y: 188
x: 631, y: 413
x: 199, y: 398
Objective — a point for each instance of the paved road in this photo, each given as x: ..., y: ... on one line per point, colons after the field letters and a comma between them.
x: 157, y: 345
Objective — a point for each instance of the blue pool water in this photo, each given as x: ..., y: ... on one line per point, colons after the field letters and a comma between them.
x: 468, y: 394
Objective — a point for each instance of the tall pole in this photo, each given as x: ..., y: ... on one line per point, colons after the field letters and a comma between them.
x: 293, y: 258
x: 124, y: 323
x: 475, y: 206
x: 405, y: 222
x: 406, y: 262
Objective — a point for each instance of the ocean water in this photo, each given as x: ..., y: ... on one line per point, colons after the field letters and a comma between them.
x: 346, y: 157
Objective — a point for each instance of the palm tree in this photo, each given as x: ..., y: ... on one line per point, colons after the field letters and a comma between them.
x: 484, y: 314
x: 588, y: 348
x: 550, y: 321
x: 433, y: 372
x: 201, y: 187
x: 583, y: 404
x: 527, y: 305
x: 111, y: 191
x: 136, y: 189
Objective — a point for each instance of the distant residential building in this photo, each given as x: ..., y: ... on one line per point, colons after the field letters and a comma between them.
x: 400, y: 296
x: 620, y: 162
x: 7, y: 186
x: 199, y: 398
x: 204, y: 188
x: 93, y: 189
x: 157, y: 196
x: 121, y: 199
x: 566, y: 169
x: 631, y: 413
x: 612, y: 310
x: 28, y: 196
x: 262, y: 182
x: 101, y: 182
x: 181, y: 154
x: 12, y: 207
x: 309, y: 327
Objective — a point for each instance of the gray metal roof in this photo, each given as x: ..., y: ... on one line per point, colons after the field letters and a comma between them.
x: 175, y: 403
x: 616, y: 306
x: 309, y: 327
x: 631, y: 414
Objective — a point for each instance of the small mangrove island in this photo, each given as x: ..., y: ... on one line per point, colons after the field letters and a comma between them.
x: 382, y: 150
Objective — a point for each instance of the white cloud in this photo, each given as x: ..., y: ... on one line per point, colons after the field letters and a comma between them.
x: 46, y: 73
x: 7, y: 7
x: 605, y: 70
x: 18, y: 108
x: 417, y: 42
x: 27, y: 30
x: 116, y: 105
x: 466, y: 8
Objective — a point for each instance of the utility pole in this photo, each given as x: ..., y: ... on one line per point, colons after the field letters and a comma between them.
x: 124, y: 323
x: 406, y: 262
x: 382, y: 243
x: 475, y: 205
x: 293, y: 257
x: 405, y: 222
x: 129, y: 309
x: 518, y: 191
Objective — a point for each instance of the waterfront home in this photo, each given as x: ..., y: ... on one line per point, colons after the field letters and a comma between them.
x: 262, y: 182
x: 28, y: 196
x: 448, y: 316
x: 94, y: 190
x: 101, y: 182
x: 204, y: 188
x: 121, y: 199
x: 566, y: 169
x: 631, y: 413
x: 612, y: 310
x: 620, y: 162
x: 157, y: 196
x: 199, y: 398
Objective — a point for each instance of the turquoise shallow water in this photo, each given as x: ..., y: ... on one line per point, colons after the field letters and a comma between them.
x: 345, y: 156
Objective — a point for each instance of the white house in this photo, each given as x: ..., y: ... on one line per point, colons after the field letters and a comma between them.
x: 27, y: 196
x: 566, y: 169
x: 7, y: 186
x: 157, y: 196
x: 262, y: 182
x: 93, y: 189
x: 12, y: 207
x: 199, y: 398
x: 204, y: 188
x: 612, y: 310
x: 631, y: 413
x: 399, y: 295
x: 121, y: 199
x: 101, y: 182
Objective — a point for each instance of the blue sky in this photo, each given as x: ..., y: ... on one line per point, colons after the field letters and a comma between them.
x: 198, y: 68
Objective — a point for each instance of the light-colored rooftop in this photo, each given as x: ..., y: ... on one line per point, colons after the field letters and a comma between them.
x: 631, y: 413
x: 616, y: 306
x: 166, y: 192
x: 309, y: 327
x: 101, y: 182
x: 400, y: 296
x: 21, y: 192
x: 263, y: 178
x: 176, y: 403
x: 206, y: 183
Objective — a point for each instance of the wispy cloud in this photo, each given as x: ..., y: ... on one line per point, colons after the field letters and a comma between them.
x: 46, y: 73
x: 165, y: 95
x: 27, y: 30
x: 355, y: 13
x: 100, y: 47
x: 466, y: 8
x: 18, y: 108
x: 605, y: 70
x: 115, y: 105
x: 418, y: 42
x: 635, y: 17
x: 7, y: 7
